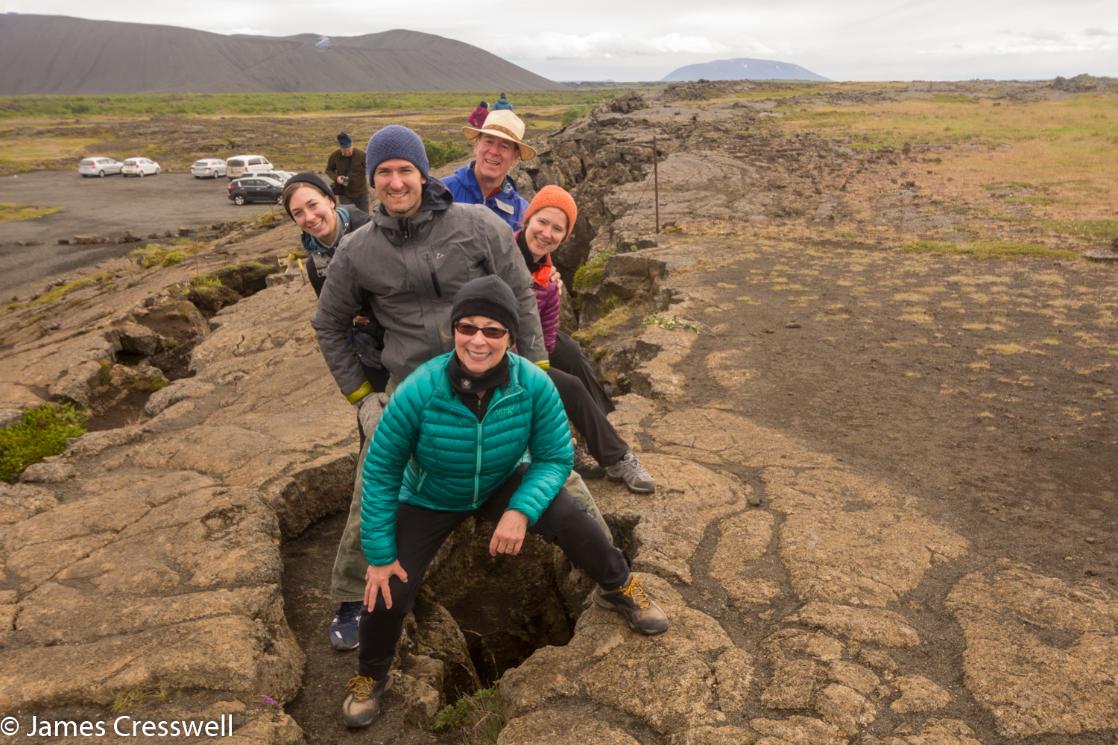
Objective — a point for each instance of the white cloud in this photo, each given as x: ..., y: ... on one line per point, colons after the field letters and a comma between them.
x: 559, y: 46
x: 628, y: 40
x: 681, y: 44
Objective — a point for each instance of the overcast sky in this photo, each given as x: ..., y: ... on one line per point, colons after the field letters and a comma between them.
x: 629, y: 40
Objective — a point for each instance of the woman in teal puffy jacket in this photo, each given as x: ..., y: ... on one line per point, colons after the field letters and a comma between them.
x: 477, y: 431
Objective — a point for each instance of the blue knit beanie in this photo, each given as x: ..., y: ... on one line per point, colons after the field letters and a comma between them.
x: 395, y: 141
x: 345, y: 140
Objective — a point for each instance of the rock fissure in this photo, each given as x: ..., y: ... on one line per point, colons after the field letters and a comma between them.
x: 854, y: 583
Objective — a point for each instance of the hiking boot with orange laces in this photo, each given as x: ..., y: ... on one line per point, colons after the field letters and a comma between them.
x: 631, y: 601
x: 362, y: 705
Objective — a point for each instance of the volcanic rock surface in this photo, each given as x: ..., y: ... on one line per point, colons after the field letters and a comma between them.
x: 824, y: 587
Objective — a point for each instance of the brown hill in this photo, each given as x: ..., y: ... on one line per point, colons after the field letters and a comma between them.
x: 58, y: 54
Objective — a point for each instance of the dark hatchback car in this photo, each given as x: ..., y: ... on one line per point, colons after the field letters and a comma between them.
x: 255, y: 189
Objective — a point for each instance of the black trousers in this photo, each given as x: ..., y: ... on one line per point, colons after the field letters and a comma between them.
x: 601, y: 438
x: 420, y: 533
x: 568, y: 356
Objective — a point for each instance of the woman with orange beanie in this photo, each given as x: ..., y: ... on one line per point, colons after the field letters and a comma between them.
x: 548, y: 221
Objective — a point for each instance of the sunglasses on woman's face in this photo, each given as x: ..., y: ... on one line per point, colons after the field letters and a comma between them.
x: 490, y: 332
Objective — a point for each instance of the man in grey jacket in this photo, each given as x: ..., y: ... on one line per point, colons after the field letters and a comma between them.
x: 406, y: 264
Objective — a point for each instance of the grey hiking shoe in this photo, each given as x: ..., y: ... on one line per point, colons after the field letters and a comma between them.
x: 362, y: 705
x: 585, y: 464
x: 631, y: 601
x: 630, y: 470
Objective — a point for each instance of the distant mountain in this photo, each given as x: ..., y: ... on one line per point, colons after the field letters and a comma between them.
x: 58, y: 54
x: 742, y: 68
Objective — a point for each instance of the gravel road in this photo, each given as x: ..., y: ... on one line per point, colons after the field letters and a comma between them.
x: 101, y: 207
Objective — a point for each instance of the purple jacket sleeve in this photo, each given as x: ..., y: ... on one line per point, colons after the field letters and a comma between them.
x: 547, y: 298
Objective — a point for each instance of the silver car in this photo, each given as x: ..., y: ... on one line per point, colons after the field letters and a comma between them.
x: 281, y: 176
x: 208, y: 168
x: 99, y: 166
x: 139, y: 167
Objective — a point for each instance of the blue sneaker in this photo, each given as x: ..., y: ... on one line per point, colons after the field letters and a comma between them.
x: 344, y: 627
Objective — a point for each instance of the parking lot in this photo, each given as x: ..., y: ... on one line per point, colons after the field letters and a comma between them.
x: 107, y: 207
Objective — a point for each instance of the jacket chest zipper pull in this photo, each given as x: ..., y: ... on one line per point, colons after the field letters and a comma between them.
x: 434, y: 277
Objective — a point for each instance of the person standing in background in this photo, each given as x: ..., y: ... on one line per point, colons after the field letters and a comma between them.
x: 346, y: 171
x: 477, y: 116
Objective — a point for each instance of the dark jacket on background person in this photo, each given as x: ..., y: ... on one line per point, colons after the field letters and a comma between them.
x: 352, y: 166
x: 410, y: 269
x: 507, y: 203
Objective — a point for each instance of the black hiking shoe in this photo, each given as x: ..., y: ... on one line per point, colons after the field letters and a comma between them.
x: 585, y: 464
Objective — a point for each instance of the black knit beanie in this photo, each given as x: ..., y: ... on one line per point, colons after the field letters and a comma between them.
x: 306, y: 177
x: 487, y: 296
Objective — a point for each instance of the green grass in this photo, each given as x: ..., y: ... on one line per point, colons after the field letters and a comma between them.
x: 159, y: 255
x: 134, y: 697
x: 1070, y: 129
x: 39, y: 433
x: 590, y: 275
x: 610, y: 322
x: 295, y: 130
x: 1088, y: 230
x: 441, y: 153
x: 478, y: 717
x: 210, y: 104
x: 13, y: 212
x: 571, y: 115
x: 989, y: 249
x: 672, y: 323
x: 154, y: 255
x: 20, y: 146
x: 64, y: 289
x: 200, y: 281
x: 955, y: 98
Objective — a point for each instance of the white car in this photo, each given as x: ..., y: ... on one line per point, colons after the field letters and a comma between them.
x: 139, y: 167
x: 99, y: 166
x: 208, y: 168
x: 246, y: 165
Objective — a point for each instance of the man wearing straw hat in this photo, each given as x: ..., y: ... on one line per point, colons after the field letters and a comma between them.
x: 498, y: 146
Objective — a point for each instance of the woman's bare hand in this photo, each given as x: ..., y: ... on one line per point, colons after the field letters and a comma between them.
x: 508, y: 537
x: 376, y: 583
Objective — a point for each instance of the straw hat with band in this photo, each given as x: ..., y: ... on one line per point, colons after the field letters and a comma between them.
x: 505, y: 125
